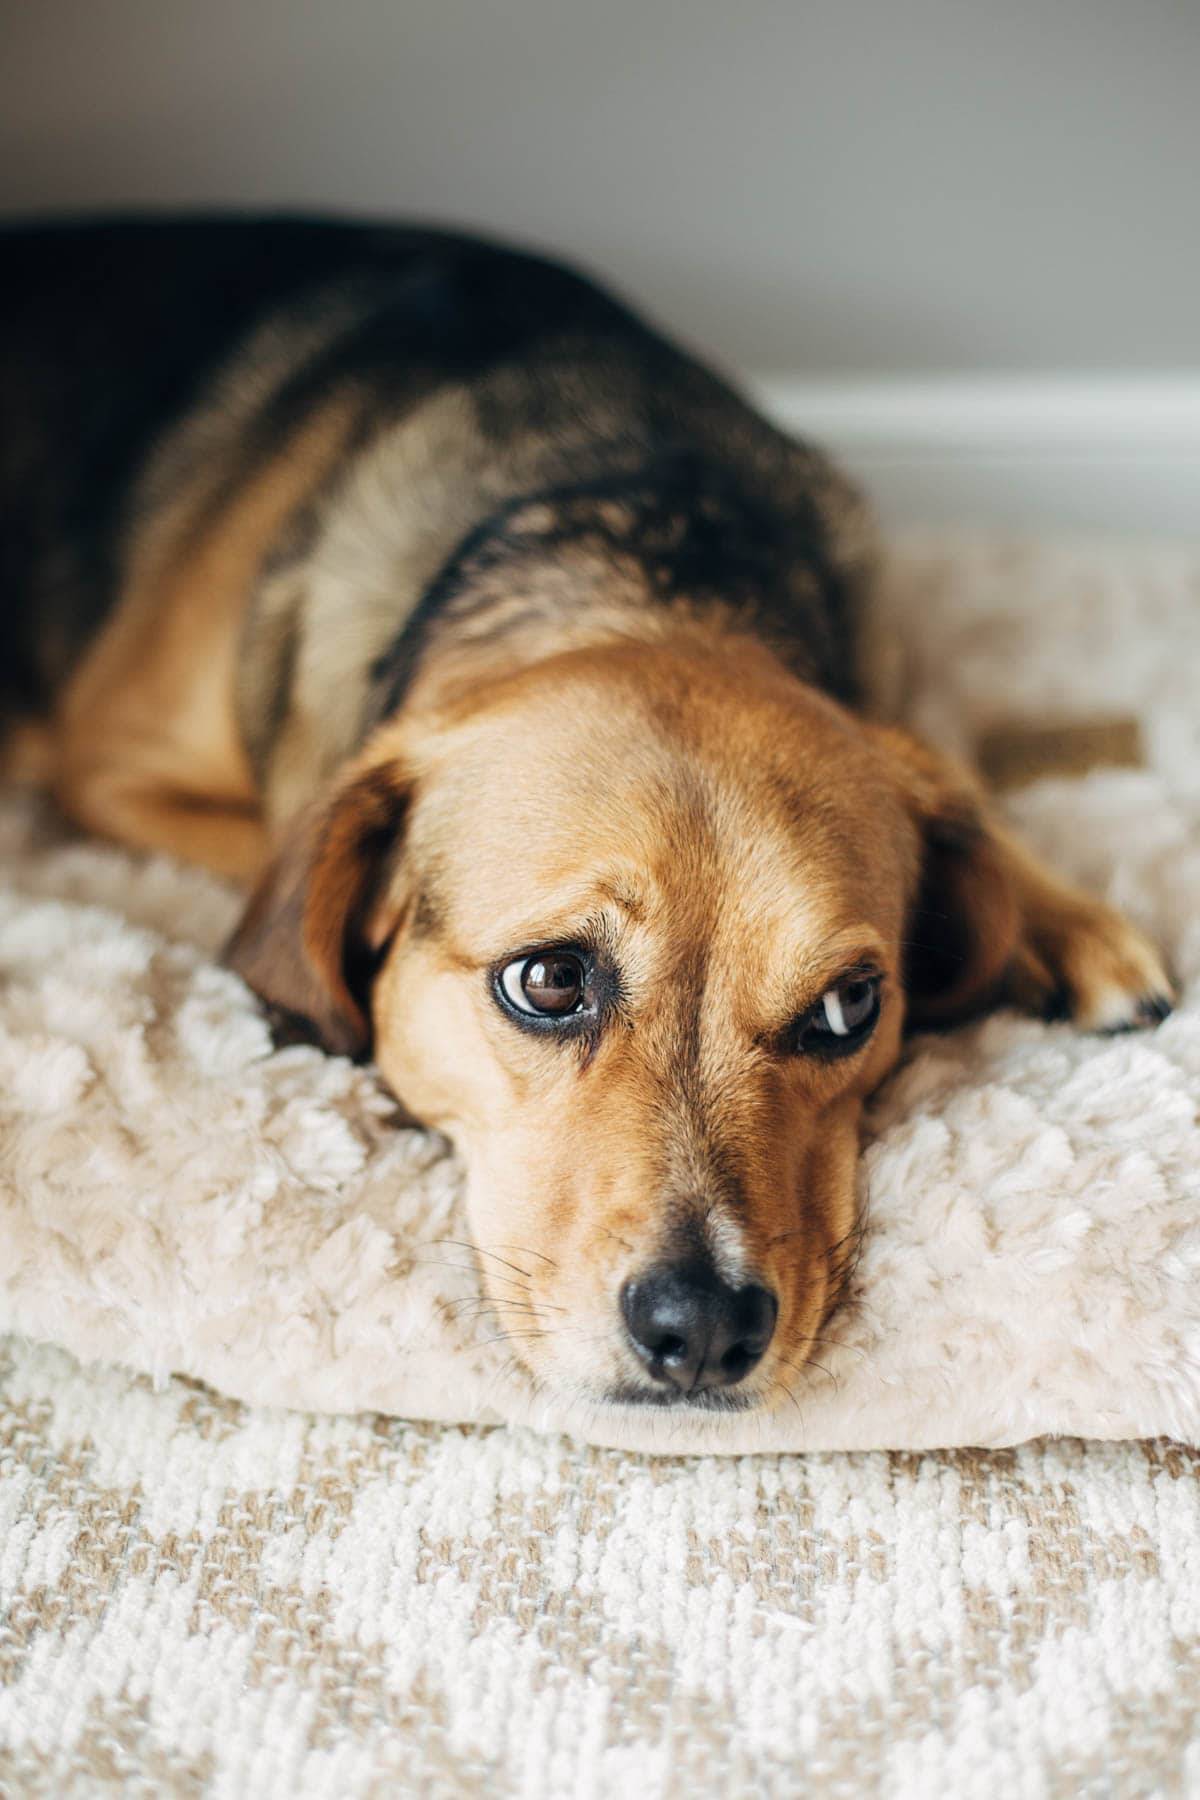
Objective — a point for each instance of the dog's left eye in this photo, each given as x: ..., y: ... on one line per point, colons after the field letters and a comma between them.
x: 843, y: 1018
x: 548, y: 985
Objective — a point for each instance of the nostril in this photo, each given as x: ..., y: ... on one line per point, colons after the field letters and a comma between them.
x: 760, y: 1309
x: 657, y: 1320
x: 751, y: 1326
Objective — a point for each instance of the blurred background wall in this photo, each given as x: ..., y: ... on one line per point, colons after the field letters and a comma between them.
x: 959, y: 237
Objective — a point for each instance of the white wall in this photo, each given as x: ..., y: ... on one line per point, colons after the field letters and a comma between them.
x: 870, y: 187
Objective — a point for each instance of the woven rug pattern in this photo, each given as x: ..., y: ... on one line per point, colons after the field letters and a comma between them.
x: 200, y: 1599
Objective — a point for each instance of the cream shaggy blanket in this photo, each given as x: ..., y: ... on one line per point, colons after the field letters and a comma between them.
x: 177, y: 1197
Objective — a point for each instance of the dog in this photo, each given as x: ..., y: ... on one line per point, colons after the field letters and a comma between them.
x: 515, y: 665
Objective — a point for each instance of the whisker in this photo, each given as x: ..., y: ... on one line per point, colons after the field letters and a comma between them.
x: 478, y: 1250
x: 537, y: 1306
x: 483, y: 1303
x: 810, y: 1362
x: 782, y: 1236
x: 785, y: 1389
x: 514, y: 1337
x: 435, y: 1262
x: 526, y: 1250
x: 800, y: 1347
x: 836, y: 1344
x: 520, y: 1300
x: 529, y: 1303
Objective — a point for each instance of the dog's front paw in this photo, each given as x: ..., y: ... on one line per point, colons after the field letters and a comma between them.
x: 1090, y: 965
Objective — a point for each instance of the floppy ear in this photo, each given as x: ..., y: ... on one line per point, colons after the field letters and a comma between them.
x: 310, y: 939
x: 964, y: 921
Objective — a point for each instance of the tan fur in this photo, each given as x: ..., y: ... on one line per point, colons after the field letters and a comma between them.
x: 1039, y: 941
x: 148, y: 748
x: 1074, y: 952
x: 593, y: 1165
x: 406, y: 500
x: 27, y: 755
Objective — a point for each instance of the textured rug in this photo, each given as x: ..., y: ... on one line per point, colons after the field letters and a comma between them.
x: 176, y: 1198
x: 197, y: 1598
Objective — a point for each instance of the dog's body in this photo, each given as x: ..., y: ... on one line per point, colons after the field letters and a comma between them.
x: 291, y: 446
x: 510, y: 653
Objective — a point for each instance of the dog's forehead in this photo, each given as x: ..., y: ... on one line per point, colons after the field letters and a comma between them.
x: 568, y: 807
x: 630, y: 725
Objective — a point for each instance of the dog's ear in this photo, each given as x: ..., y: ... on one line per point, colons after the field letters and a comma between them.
x: 314, y: 931
x: 964, y: 921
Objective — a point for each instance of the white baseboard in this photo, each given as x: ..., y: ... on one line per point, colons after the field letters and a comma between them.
x: 1053, y: 453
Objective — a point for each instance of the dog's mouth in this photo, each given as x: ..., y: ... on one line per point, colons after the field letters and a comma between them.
x: 708, y: 1400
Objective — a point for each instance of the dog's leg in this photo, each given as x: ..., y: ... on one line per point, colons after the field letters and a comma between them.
x: 151, y: 759
x: 147, y: 741
x: 1013, y: 930
x: 146, y: 750
x: 1078, y: 957
x: 226, y: 836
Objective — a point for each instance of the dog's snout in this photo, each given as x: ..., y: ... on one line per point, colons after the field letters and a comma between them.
x: 693, y: 1331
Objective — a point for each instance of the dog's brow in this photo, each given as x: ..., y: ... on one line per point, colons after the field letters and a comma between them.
x: 624, y: 892
x: 858, y: 947
x: 580, y: 920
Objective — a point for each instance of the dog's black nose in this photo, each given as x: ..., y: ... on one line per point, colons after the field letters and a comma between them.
x: 693, y: 1331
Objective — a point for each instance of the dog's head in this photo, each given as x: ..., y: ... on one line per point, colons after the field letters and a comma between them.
x: 638, y: 927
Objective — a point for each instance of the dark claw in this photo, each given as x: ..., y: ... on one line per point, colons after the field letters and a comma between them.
x: 1151, y: 1011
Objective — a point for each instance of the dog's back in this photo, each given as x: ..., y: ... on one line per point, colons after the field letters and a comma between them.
x: 403, y: 390
x: 111, y: 332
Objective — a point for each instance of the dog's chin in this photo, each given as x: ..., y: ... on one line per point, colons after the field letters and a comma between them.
x: 662, y: 1399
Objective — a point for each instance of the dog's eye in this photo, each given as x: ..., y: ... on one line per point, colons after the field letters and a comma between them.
x: 549, y: 984
x: 842, y: 1019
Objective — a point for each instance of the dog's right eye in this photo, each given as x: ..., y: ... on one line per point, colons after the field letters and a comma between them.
x: 842, y: 1020
x: 548, y: 985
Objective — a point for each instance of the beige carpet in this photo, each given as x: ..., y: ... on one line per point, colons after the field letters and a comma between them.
x: 201, y: 1599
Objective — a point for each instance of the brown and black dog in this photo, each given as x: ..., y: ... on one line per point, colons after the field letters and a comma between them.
x: 514, y: 661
